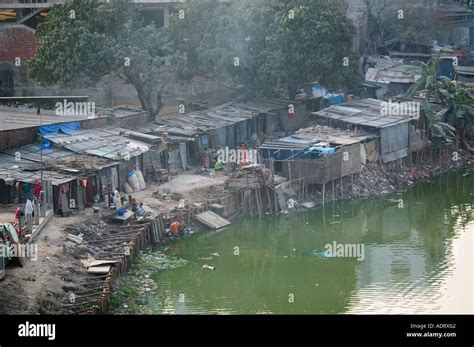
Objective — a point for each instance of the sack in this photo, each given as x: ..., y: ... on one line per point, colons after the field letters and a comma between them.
x: 133, y: 181
x: 127, y: 188
x: 141, y: 179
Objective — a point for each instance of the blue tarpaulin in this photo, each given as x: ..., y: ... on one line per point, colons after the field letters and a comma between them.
x: 67, y: 128
x: 46, y: 144
x: 445, y: 68
x: 317, y: 152
x: 321, y: 91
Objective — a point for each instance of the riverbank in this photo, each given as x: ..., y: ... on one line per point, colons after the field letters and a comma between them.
x: 45, y: 286
x: 372, y: 182
x: 415, y: 259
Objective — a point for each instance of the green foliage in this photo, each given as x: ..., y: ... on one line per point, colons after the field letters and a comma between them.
x: 428, y: 71
x: 435, y: 124
x: 312, y: 47
x: 272, y: 50
x: 197, y: 40
x: 99, y: 41
x: 456, y: 99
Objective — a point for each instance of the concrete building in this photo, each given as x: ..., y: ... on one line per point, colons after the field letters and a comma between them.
x: 18, y: 22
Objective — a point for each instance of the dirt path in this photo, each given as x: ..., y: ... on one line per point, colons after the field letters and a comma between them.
x: 22, y: 290
x: 192, y: 187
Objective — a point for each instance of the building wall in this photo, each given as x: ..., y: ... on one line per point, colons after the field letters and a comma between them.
x: 357, y: 14
x: 326, y: 170
x: 17, y: 40
x: 297, y: 121
x: 133, y: 120
x: 95, y: 123
x: 19, y: 137
x: 16, y: 138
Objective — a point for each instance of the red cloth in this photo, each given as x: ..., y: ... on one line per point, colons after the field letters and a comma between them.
x: 37, y: 188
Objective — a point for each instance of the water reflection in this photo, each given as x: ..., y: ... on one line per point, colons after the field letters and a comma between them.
x: 418, y: 259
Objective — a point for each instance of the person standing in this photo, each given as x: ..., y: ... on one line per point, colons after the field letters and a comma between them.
x: 18, y: 214
x: 117, y: 199
x: 36, y: 209
x: 105, y: 193
x: 29, y: 215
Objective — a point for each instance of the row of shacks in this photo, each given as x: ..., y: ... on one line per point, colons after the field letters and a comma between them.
x: 344, y: 138
x: 227, y: 125
x: 73, y: 166
x: 76, y: 163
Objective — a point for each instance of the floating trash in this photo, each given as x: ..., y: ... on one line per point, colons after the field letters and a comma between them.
x: 205, y: 266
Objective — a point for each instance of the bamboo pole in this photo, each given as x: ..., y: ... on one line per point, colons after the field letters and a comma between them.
x: 273, y: 184
x: 324, y: 193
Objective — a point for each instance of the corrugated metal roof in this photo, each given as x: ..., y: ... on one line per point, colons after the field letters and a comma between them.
x: 398, y: 74
x: 104, y: 142
x: 464, y: 70
x: 199, y: 122
x: 20, y: 171
x: 61, y: 163
x: 332, y: 135
x: 366, y: 112
x: 385, y: 69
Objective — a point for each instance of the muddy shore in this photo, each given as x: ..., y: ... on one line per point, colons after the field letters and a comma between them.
x: 38, y: 287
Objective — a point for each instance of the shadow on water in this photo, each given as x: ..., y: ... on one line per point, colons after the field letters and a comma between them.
x: 277, y: 264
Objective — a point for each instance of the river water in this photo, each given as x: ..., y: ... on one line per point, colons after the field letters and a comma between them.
x: 408, y: 253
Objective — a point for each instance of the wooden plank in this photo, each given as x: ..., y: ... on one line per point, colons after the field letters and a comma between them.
x: 212, y: 220
x: 95, y: 263
x: 74, y: 238
x: 99, y: 270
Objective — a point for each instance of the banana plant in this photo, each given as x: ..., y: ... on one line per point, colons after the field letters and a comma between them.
x: 436, y: 126
x: 457, y: 101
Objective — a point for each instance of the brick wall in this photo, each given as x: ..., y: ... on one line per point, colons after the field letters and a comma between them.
x: 16, y: 41
x: 95, y: 123
x: 16, y: 138
x: 133, y: 120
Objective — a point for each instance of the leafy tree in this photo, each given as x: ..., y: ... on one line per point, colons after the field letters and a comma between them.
x: 197, y: 33
x: 271, y: 49
x: 315, y: 45
x: 82, y: 41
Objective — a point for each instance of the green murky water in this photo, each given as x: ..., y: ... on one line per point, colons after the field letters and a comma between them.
x: 416, y: 259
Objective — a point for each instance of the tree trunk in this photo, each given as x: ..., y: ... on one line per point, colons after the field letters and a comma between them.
x: 292, y: 92
x: 145, y: 97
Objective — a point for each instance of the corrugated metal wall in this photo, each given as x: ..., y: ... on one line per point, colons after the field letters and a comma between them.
x: 326, y: 170
x: 394, y: 142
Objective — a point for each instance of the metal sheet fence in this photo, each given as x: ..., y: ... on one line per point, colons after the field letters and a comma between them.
x: 343, y: 163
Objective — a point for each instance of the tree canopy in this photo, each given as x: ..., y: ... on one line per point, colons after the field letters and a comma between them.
x: 266, y: 44
x: 82, y: 41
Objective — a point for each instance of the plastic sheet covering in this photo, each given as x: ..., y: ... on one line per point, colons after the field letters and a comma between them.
x: 67, y: 128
